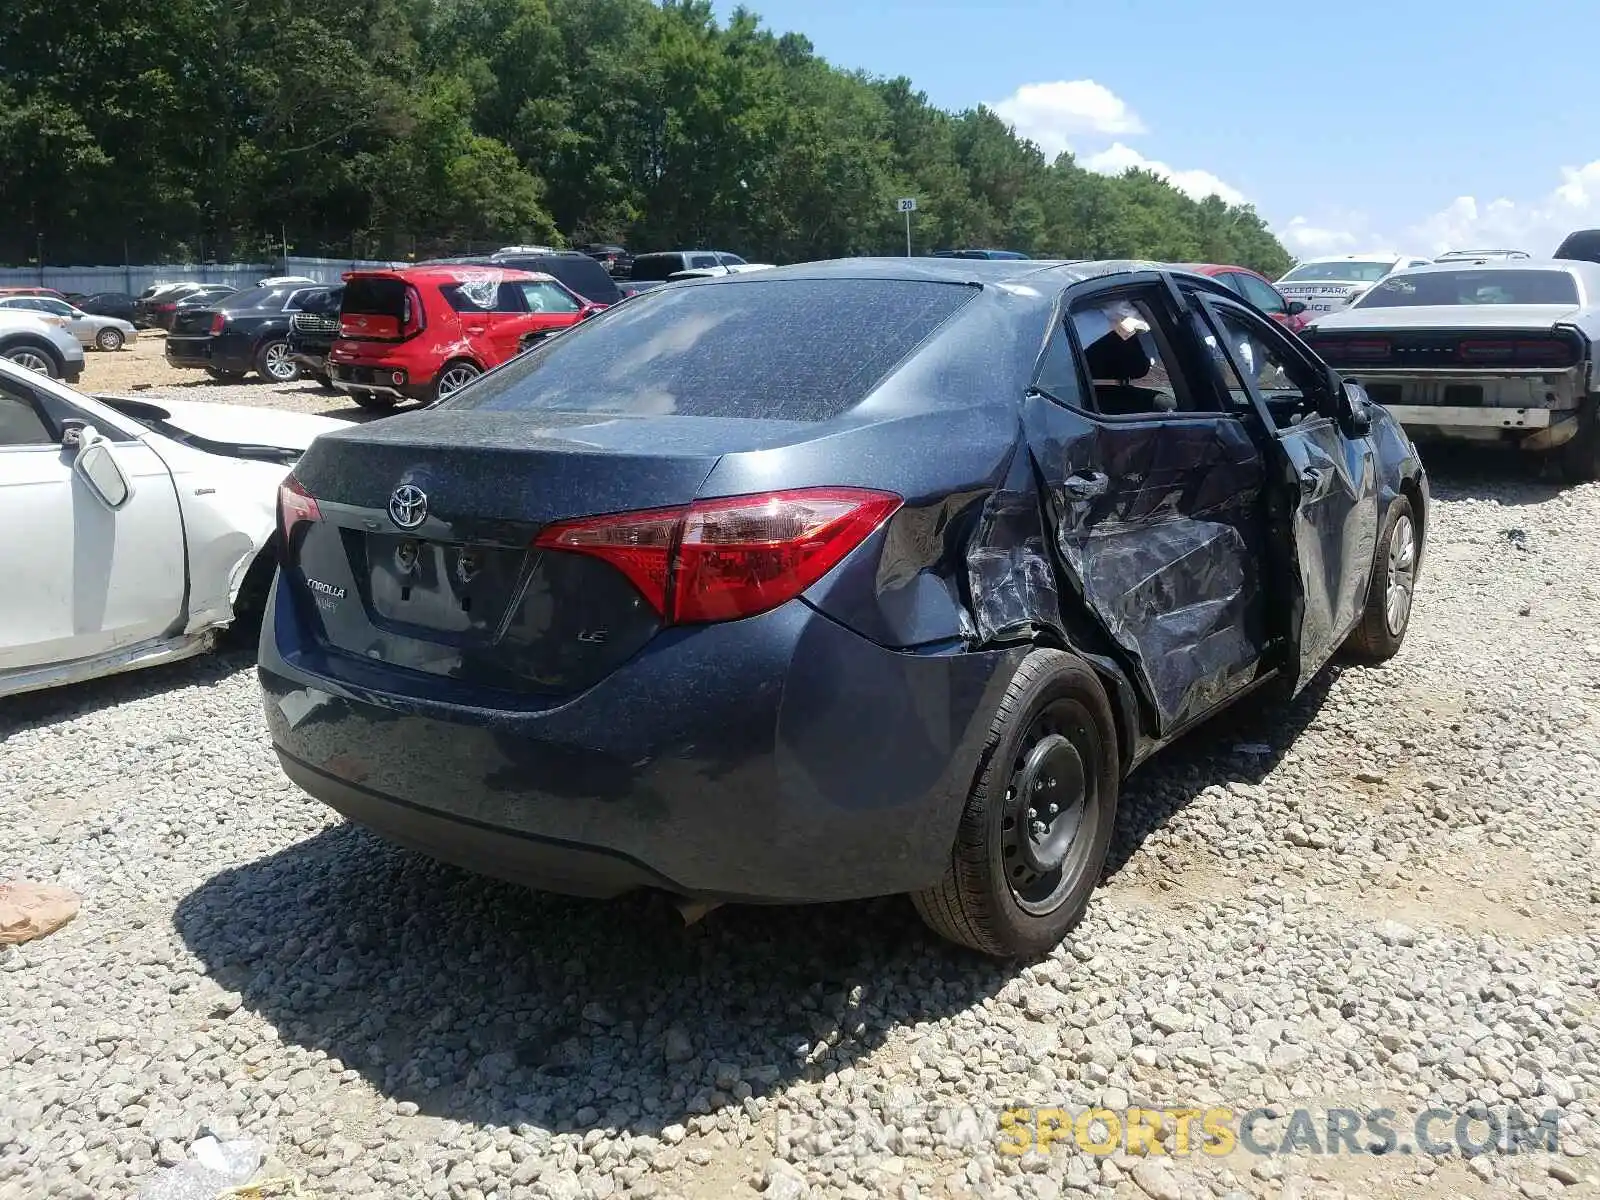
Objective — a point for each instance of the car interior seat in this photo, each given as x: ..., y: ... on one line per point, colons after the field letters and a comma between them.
x: 1114, y: 363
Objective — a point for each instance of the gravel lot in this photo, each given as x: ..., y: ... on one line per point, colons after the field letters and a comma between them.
x: 1384, y: 897
x: 141, y: 370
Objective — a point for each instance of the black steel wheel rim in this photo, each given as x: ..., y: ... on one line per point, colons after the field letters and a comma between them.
x: 1052, y: 806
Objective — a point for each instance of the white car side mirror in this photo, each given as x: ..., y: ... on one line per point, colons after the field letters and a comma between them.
x: 96, y: 464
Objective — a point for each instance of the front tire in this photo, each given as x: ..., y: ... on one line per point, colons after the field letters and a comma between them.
x: 1392, y: 588
x: 1037, y: 828
x: 274, y: 364
x: 33, y: 356
x: 109, y: 339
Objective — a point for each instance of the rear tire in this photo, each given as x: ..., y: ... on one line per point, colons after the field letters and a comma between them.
x: 109, y: 339
x: 1391, y: 590
x: 274, y: 364
x: 1020, y: 877
x: 374, y: 401
x: 1580, y: 457
x: 453, y: 376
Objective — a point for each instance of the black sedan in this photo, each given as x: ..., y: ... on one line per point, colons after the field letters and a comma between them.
x: 832, y: 581
x: 247, y: 331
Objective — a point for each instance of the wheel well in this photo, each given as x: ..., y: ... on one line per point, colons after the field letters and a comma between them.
x: 1118, y: 694
x: 1413, y: 493
x: 258, y: 576
x: 33, y: 342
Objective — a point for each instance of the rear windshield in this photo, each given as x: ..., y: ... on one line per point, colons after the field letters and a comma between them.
x: 649, y: 267
x: 379, y: 296
x: 1583, y: 245
x: 1341, y: 272
x: 578, y: 271
x: 793, y: 349
x: 1472, y: 287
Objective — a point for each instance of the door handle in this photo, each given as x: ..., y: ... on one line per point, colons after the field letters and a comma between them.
x: 477, y: 328
x: 1086, y: 485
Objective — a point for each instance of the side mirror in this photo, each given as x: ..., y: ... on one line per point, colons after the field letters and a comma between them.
x: 97, y: 466
x: 1296, y: 307
x: 1355, y: 409
x: 587, y: 311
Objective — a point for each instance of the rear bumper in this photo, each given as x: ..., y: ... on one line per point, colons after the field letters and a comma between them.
x: 776, y: 759
x: 188, y: 351
x: 379, y: 378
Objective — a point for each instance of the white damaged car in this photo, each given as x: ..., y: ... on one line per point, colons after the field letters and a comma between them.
x: 1333, y: 283
x: 134, y: 532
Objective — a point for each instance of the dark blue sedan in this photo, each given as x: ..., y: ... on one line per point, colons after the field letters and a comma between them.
x: 832, y: 581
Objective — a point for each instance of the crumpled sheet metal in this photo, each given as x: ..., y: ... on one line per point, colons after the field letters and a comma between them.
x: 1008, y: 569
x: 1177, y: 597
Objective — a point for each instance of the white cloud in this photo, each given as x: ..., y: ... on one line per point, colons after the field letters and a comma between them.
x: 1535, y: 224
x: 1052, y: 115
x: 1196, y: 183
x: 1302, y: 237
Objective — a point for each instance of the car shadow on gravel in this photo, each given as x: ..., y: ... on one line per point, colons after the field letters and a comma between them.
x: 480, y: 1001
x: 46, y: 707
x: 1242, y: 744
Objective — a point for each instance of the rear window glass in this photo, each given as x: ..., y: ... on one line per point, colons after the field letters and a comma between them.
x: 649, y: 267
x: 1583, y: 245
x: 1340, y: 272
x: 796, y: 350
x: 1472, y: 287
x: 578, y: 271
x: 380, y: 297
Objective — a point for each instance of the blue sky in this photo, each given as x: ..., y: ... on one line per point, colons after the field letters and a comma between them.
x: 1413, y: 125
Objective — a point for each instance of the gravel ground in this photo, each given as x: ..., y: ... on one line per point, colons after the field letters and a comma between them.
x: 1382, y: 898
x: 141, y: 370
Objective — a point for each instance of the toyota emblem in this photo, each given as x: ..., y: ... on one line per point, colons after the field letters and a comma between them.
x: 408, y: 507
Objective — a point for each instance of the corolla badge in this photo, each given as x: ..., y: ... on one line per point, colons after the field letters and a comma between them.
x: 408, y: 506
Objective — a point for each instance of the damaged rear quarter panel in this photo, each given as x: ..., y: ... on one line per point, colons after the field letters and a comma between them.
x: 229, y: 513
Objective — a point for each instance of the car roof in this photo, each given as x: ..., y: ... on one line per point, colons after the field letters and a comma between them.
x: 448, y: 273
x: 1374, y: 256
x: 1588, y: 272
x: 1027, y: 271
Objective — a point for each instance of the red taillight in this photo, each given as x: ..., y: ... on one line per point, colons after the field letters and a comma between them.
x: 167, y: 307
x: 1530, y: 352
x: 718, y: 560
x: 218, y: 322
x: 1483, y: 351
x: 1366, y: 349
x: 413, y: 320
x: 296, y: 507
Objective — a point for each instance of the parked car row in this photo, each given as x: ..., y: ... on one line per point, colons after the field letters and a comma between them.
x: 96, y: 332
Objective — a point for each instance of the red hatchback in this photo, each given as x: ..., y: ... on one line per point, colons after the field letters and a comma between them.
x: 423, y: 332
x: 1257, y: 290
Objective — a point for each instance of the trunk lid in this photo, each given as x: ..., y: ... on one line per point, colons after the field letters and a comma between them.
x: 192, y: 322
x: 423, y: 556
x: 1450, y: 317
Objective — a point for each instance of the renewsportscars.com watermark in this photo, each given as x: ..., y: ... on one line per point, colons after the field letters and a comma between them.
x: 1219, y: 1131
x: 863, y: 1131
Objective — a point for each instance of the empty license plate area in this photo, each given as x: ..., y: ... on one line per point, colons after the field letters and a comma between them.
x: 441, y: 586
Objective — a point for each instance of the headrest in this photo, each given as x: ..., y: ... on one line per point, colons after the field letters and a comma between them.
x: 1114, y: 357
